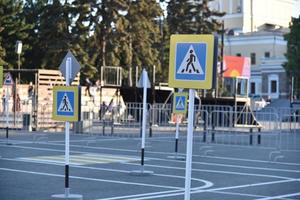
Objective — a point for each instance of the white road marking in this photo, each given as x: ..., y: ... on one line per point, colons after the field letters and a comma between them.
x: 164, y: 153
x: 207, y: 184
x: 177, y: 191
x: 211, y: 190
x: 218, y: 171
x: 92, y: 179
x: 84, y: 159
x: 249, y: 160
x: 280, y: 196
x: 168, y: 160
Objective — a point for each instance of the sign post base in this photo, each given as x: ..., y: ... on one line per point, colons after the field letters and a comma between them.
x: 70, y: 196
x: 141, y: 173
x: 176, y: 157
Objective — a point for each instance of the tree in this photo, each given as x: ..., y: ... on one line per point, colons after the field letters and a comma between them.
x: 13, y: 27
x: 54, y: 34
x: 82, y: 12
x: 192, y: 17
x: 31, y: 12
x: 2, y: 53
x: 292, y: 66
x: 106, y: 16
x: 143, y: 36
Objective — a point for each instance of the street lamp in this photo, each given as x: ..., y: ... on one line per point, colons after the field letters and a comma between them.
x: 19, y: 51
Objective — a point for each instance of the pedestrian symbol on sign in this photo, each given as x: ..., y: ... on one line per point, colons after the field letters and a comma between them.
x: 180, y: 105
x: 180, y: 102
x: 190, y: 63
x: 65, y: 105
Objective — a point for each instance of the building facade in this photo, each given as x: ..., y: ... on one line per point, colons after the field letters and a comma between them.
x: 255, y: 29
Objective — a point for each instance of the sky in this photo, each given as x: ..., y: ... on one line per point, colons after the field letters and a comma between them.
x: 297, y: 9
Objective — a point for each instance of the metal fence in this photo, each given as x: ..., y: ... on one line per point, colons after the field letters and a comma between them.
x: 217, y: 124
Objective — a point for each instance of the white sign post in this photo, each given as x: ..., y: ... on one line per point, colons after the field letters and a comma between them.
x: 67, y: 195
x: 67, y: 131
x: 189, y: 147
x: 176, y: 157
x: 192, y: 65
x: 6, y: 107
x: 179, y: 111
x: 144, y: 82
x: 144, y: 118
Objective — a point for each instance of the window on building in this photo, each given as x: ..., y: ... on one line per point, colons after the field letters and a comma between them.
x: 252, y: 88
x: 253, y: 58
x: 239, y: 87
x: 267, y: 54
x: 239, y: 54
x: 273, y: 86
x: 239, y: 6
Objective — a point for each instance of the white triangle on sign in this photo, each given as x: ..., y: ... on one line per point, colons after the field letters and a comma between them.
x: 180, y: 104
x: 65, y: 105
x: 190, y: 63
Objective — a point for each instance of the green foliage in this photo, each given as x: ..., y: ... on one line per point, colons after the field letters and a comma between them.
x: 31, y: 12
x: 123, y: 33
x: 107, y: 15
x: 81, y: 10
x: 143, y: 33
x: 54, y: 35
x: 13, y: 28
x: 292, y: 66
x: 192, y: 17
x: 2, y: 54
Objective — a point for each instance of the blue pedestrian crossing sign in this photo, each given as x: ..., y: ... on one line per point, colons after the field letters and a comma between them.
x: 191, y: 61
x: 180, y: 102
x: 8, y: 80
x: 66, y: 103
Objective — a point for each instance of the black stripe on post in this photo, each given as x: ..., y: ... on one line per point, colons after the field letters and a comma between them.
x: 66, y: 176
x: 143, y: 154
x: 7, y: 132
x: 176, y: 145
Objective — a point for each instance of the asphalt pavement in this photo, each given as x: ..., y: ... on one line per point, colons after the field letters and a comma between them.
x: 32, y: 168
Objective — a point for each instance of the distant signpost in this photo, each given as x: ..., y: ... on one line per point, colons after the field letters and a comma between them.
x: 180, y: 102
x: 66, y: 107
x: 8, y: 80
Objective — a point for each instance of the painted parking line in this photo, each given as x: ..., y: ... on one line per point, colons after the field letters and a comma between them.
x: 93, y: 179
x: 143, y: 195
x: 171, y: 153
x: 204, y: 183
x: 214, y: 190
x: 178, y: 168
x: 280, y: 196
x: 84, y: 159
x: 88, y: 139
x: 173, y: 191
